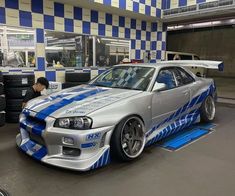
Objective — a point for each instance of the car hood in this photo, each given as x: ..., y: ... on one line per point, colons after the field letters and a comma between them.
x: 77, y: 101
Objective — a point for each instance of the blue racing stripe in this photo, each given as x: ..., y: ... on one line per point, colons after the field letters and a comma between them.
x: 40, y: 153
x: 52, y: 108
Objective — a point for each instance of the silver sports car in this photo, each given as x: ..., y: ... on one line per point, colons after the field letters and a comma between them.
x: 121, y: 111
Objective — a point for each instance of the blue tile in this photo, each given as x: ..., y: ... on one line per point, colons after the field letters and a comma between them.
x: 14, y: 4
x: 121, y: 21
x: 143, y: 45
x: 201, y: 1
x: 115, y: 31
x: 147, y: 10
x: 127, y: 33
x: 107, y: 2
x: 101, y: 29
x: 59, y: 9
x: 138, y: 34
x: 158, y: 13
x: 2, y: 15
x: 163, y: 46
x: 154, y: 3
x: 77, y: 13
x: 143, y: 25
x: 133, y: 44
x: 86, y: 27
x: 133, y: 23
x: 94, y: 16
x: 25, y: 19
x: 159, y: 36
x: 68, y: 25
x: 137, y: 54
x: 122, y: 4
x: 159, y: 54
x: 40, y: 35
x: 49, y: 22
x: 148, y: 36
x: 182, y: 3
x: 142, y: 1
x: 136, y: 7
x: 37, y: 6
x: 108, y: 19
x: 166, y: 4
x: 41, y: 64
x: 51, y: 75
x: 154, y: 26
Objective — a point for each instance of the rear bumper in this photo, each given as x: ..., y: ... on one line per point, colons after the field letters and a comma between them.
x: 92, y: 145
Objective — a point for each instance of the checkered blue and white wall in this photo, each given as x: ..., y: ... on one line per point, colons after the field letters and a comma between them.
x: 171, y: 4
x: 146, y: 7
x: 49, y: 15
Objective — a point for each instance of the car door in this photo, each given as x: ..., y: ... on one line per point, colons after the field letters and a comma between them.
x: 169, y: 100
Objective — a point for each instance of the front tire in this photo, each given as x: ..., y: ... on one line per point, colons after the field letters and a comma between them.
x: 208, y: 110
x: 128, y: 139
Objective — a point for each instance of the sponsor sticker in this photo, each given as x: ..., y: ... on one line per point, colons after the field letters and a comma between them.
x: 24, y: 80
x: 93, y: 136
x: 24, y: 92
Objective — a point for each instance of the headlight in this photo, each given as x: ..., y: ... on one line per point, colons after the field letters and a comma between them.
x: 79, y: 123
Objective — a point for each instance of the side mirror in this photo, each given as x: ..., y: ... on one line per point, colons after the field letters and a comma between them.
x: 159, y: 87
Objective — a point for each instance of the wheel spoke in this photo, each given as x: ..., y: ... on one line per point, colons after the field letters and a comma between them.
x: 132, y: 137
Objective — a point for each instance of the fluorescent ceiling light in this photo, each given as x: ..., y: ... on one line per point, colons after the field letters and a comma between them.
x: 117, y: 45
x: 122, y: 43
x: 116, y: 40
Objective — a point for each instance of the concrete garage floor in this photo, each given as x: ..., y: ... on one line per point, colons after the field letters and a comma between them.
x: 204, y: 168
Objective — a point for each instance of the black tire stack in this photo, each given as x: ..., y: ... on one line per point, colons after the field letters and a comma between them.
x: 75, y: 79
x: 16, y: 87
x: 2, y: 101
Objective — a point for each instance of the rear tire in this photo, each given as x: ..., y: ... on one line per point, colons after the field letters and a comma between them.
x: 2, y: 119
x: 14, y: 104
x: 12, y: 117
x: 128, y: 139
x: 77, y: 77
x: 2, y: 103
x: 1, y: 89
x: 208, y: 109
x: 16, y: 93
x: 19, y: 80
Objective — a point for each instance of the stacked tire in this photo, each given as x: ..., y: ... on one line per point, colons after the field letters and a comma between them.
x: 16, y: 87
x: 75, y: 79
x: 2, y: 102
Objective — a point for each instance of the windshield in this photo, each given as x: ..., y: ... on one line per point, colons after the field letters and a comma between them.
x: 126, y: 77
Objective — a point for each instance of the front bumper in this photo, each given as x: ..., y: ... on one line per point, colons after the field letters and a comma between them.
x: 49, y: 144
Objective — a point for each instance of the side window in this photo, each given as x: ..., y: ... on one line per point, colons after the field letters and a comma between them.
x: 166, y: 76
x: 183, y: 77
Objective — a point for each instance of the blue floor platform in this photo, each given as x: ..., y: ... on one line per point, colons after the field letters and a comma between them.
x: 186, y: 136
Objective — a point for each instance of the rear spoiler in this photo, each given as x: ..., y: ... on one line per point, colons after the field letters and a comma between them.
x: 197, y: 63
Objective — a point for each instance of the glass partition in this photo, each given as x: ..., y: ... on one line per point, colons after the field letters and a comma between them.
x: 74, y: 50
x: 68, y: 50
x: 17, y: 47
x: 110, y: 51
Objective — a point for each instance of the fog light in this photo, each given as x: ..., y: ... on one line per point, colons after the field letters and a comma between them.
x: 71, y: 151
x: 68, y: 141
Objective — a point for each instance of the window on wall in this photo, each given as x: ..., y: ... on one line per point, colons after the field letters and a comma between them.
x: 17, y: 47
x: 68, y: 50
x: 74, y: 50
x: 111, y: 51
